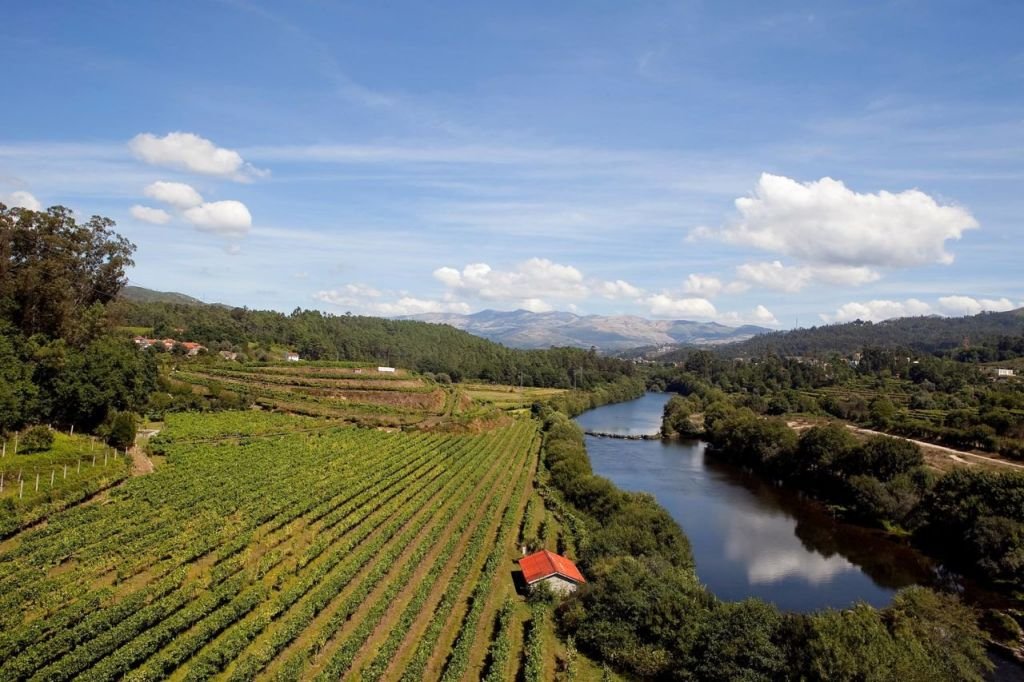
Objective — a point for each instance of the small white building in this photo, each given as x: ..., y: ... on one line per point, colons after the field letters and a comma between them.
x: 1004, y: 372
x: 554, y: 570
x: 386, y: 370
x: 292, y: 357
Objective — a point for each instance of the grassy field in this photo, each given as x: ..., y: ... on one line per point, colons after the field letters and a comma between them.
x: 273, y: 546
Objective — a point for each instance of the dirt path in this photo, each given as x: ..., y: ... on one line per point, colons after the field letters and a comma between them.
x: 956, y: 455
x: 141, y: 463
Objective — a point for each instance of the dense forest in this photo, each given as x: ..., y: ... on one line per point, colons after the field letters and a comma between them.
x: 924, y: 334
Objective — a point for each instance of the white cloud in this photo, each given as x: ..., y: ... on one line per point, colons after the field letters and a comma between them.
x: 764, y: 316
x: 177, y: 194
x: 535, y: 305
x: 793, y: 278
x: 363, y: 298
x: 22, y: 199
x: 664, y: 305
x: 844, y: 274
x: 825, y: 223
x: 877, y: 310
x: 534, y: 278
x: 531, y: 284
x: 966, y: 305
x: 759, y: 316
x: 618, y: 289
x: 147, y: 214
x: 774, y: 275
x: 188, y: 151
x: 408, y: 305
x: 227, y: 218
x: 352, y: 295
x: 702, y: 285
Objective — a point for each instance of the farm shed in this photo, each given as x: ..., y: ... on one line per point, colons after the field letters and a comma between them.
x: 388, y: 370
x: 559, y: 573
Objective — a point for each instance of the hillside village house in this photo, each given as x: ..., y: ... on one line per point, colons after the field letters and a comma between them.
x: 1004, y: 372
x: 192, y: 349
x: 292, y: 357
x: 386, y: 370
x: 554, y: 570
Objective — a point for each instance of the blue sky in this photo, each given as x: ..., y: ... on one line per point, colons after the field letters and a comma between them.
x: 743, y: 162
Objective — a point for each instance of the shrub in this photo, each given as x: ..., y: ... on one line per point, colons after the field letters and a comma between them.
x: 35, y: 439
x: 121, y: 429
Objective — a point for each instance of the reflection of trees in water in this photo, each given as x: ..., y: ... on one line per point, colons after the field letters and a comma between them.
x: 888, y: 562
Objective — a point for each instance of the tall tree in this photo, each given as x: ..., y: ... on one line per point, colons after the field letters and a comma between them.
x: 52, y: 268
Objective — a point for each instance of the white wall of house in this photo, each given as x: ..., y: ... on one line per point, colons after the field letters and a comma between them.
x: 558, y: 584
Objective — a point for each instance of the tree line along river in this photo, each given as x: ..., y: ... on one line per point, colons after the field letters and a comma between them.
x: 750, y: 537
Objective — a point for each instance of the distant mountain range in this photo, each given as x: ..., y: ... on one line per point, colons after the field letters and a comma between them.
x: 523, y: 329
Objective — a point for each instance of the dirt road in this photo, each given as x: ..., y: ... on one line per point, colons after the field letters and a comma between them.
x: 141, y: 463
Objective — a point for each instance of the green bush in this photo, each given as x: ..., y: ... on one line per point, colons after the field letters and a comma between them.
x: 35, y: 439
x: 121, y: 429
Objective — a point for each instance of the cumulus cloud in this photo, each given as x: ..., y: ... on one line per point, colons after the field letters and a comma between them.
x: 535, y: 278
x: 792, y: 278
x: 966, y: 305
x: 705, y: 286
x: 365, y: 298
x: 825, y: 223
x: 177, y: 194
x: 665, y: 305
x: 535, y: 305
x: 877, y: 310
x: 22, y: 199
x: 408, y: 305
x: 147, y: 214
x: 188, y: 151
x: 531, y: 284
x: 226, y: 218
x: 618, y: 289
x: 759, y: 316
x: 774, y: 275
x: 353, y: 295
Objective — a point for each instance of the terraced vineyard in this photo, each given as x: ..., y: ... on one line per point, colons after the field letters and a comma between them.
x: 280, y: 547
x: 329, y: 390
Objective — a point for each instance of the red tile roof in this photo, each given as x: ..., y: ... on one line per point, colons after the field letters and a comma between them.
x: 544, y: 564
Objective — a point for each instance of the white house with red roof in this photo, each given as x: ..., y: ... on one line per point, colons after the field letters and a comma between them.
x: 557, y: 572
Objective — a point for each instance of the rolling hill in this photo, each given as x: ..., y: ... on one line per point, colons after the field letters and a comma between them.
x: 927, y: 334
x: 144, y: 295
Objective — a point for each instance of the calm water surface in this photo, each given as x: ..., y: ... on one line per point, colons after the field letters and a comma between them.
x: 750, y: 538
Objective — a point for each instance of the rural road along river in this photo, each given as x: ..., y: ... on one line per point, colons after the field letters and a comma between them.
x: 955, y: 454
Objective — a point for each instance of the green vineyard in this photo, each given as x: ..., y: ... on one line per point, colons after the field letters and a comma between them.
x: 274, y: 546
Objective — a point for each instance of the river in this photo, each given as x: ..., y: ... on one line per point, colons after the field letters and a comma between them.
x: 750, y: 538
